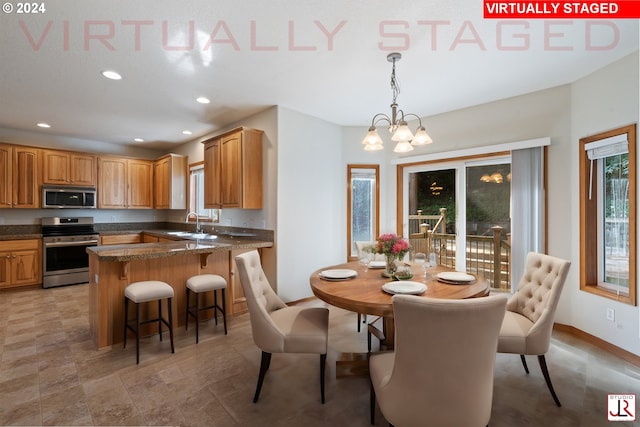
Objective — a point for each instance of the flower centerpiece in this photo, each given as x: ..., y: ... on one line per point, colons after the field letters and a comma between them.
x: 394, y: 248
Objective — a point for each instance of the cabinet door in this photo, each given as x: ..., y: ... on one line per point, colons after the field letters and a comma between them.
x: 82, y: 169
x: 140, y: 184
x: 55, y: 167
x: 231, y: 170
x: 161, y: 177
x: 212, y: 161
x: 112, y: 183
x: 26, y: 185
x: 25, y: 267
x: 5, y: 269
x: 236, y: 298
x: 6, y: 177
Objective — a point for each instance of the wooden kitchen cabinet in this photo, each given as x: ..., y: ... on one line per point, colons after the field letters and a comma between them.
x: 20, y: 263
x: 170, y: 182
x: 236, y: 299
x: 68, y: 168
x: 121, y: 239
x: 125, y: 183
x: 19, y: 177
x: 233, y: 170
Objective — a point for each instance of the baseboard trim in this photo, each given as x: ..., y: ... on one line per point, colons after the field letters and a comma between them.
x: 600, y: 343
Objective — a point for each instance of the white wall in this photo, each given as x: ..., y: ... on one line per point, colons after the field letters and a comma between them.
x: 604, y: 100
x: 311, y: 220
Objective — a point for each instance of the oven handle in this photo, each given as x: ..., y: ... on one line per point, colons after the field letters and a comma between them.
x: 84, y: 243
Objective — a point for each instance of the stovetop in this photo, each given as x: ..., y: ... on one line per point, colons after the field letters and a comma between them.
x: 67, y: 226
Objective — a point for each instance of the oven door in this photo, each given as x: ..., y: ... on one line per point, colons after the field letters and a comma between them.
x: 65, y: 263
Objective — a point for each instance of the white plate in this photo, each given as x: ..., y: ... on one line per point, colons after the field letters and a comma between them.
x: 404, y: 287
x: 455, y: 277
x: 377, y: 264
x: 339, y: 274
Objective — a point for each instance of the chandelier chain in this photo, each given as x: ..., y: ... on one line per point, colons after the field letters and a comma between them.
x: 395, y: 86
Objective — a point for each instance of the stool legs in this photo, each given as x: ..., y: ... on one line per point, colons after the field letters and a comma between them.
x: 216, y: 307
x: 138, y: 322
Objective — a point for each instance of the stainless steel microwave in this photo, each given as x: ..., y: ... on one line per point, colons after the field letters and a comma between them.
x: 59, y: 197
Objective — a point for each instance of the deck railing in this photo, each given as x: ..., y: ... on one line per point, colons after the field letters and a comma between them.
x: 486, y: 256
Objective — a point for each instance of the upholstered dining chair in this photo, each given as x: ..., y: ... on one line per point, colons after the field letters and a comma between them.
x: 277, y: 328
x: 528, y: 323
x: 441, y: 370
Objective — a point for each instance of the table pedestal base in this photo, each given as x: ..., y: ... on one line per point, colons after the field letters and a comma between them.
x: 352, y: 365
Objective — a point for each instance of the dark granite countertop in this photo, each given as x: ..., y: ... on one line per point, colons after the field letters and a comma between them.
x: 182, y: 246
x: 4, y: 237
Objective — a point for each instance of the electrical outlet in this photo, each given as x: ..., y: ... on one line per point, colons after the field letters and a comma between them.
x: 611, y: 314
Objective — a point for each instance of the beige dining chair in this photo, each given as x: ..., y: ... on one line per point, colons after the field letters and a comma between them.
x: 441, y: 371
x: 528, y: 323
x: 276, y: 327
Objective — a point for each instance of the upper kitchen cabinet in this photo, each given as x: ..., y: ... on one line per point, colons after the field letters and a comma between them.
x: 233, y: 170
x: 170, y: 182
x: 67, y: 168
x: 125, y: 183
x: 19, y: 178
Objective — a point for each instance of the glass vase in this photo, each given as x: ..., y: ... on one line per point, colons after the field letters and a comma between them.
x: 391, y: 265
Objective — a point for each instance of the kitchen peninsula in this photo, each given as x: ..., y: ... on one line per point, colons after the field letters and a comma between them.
x: 113, y: 267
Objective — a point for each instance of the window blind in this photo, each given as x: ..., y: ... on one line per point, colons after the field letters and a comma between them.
x: 607, y: 147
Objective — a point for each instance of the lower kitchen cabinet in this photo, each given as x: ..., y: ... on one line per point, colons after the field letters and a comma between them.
x: 224, y: 264
x: 236, y: 296
x: 20, y: 263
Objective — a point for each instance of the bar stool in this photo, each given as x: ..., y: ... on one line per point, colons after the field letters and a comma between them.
x: 204, y: 283
x: 147, y: 291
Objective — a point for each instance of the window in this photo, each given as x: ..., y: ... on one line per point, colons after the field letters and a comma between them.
x: 362, y: 205
x: 196, y: 195
x: 607, y: 203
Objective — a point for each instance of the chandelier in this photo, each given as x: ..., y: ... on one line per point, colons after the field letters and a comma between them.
x: 397, y: 123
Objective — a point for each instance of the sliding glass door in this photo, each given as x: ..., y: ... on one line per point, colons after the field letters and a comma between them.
x: 461, y: 212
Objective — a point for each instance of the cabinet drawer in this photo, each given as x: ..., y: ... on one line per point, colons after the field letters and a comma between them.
x: 121, y: 239
x: 20, y: 245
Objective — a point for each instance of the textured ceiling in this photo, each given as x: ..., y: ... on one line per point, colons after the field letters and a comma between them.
x: 326, y: 59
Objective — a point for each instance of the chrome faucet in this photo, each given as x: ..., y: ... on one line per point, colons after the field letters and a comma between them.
x: 186, y: 220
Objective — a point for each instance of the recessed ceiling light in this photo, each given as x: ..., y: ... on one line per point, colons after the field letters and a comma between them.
x: 139, y: 140
x: 186, y: 132
x: 110, y: 74
x: 203, y: 100
x: 44, y: 125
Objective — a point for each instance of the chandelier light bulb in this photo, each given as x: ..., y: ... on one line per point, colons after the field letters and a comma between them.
x: 403, y: 147
x: 402, y: 133
x: 421, y: 137
x: 373, y: 147
x: 372, y: 137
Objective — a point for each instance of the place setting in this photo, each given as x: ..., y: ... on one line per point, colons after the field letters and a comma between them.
x: 337, y: 275
x: 455, y: 278
x: 404, y: 287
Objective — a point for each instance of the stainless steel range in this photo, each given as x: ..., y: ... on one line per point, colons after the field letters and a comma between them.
x: 64, y: 257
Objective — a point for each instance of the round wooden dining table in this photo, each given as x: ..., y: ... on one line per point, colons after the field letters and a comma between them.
x: 363, y: 293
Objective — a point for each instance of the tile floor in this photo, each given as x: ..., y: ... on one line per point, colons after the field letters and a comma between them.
x: 50, y: 374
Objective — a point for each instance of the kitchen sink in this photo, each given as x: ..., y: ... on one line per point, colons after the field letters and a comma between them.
x: 179, y: 233
x: 190, y: 235
x: 202, y: 236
